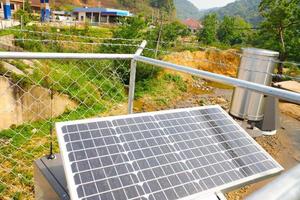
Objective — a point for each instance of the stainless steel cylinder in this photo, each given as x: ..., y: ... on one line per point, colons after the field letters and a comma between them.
x: 257, y: 65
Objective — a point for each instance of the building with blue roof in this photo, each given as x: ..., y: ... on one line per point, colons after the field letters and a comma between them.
x: 97, y: 15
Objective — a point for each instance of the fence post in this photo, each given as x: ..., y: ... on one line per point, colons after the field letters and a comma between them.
x: 132, y: 77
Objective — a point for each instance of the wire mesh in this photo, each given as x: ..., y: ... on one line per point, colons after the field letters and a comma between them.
x: 38, y: 41
x: 86, y: 88
x: 34, y: 94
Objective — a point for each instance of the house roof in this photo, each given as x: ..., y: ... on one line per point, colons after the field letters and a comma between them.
x: 103, y: 11
x: 86, y: 9
x: 192, y: 23
x: 35, y: 3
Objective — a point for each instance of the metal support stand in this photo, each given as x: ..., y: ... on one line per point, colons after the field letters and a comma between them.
x: 132, y: 77
x: 271, y: 121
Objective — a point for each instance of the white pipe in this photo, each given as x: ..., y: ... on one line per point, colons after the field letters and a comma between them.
x: 279, y: 93
x: 286, y: 186
x: 133, y: 76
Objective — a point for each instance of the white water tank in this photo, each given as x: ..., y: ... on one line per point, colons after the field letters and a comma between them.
x: 257, y: 66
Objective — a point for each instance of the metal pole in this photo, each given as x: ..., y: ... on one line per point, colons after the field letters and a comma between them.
x: 21, y: 22
x: 159, y: 33
x: 286, y: 186
x: 132, y: 77
x: 281, y: 94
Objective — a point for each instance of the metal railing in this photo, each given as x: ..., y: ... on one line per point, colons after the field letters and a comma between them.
x: 89, y: 85
x: 279, y: 93
x: 286, y: 186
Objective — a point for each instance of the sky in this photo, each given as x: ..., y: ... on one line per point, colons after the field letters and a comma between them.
x: 205, y: 4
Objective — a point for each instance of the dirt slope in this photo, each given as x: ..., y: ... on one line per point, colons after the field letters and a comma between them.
x: 225, y: 62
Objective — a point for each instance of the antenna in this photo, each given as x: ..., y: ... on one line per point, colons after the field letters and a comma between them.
x: 51, y: 155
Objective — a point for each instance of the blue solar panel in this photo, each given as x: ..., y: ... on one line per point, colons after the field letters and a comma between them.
x: 160, y: 155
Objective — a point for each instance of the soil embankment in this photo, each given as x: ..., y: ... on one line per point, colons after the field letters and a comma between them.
x: 220, y: 62
x: 32, y: 103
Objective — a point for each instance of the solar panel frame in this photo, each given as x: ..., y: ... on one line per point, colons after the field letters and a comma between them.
x: 224, y: 188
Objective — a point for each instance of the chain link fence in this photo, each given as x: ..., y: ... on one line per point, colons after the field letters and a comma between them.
x: 34, y: 94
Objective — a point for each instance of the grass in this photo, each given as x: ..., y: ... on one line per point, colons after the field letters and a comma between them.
x: 177, y: 79
x: 92, y: 84
x: 158, y: 92
x: 54, y: 41
x: 292, y: 70
x: 156, y: 86
x: 27, y: 143
x: 19, y: 64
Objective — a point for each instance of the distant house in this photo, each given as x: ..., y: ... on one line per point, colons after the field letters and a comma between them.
x: 15, y: 5
x: 62, y: 16
x: 99, y: 15
x: 192, y: 24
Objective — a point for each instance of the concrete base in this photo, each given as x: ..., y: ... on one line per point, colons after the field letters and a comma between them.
x: 269, y: 133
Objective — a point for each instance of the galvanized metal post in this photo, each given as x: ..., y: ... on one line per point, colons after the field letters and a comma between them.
x: 132, y: 77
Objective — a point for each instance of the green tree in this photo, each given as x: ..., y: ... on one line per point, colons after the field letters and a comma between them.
x: 171, y: 32
x: 208, y: 34
x: 128, y: 3
x: 226, y: 32
x: 234, y: 30
x: 132, y: 28
x: 244, y: 30
x: 174, y: 30
x: 280, y: 26
x: 27, y: 6
x: 24, y: 15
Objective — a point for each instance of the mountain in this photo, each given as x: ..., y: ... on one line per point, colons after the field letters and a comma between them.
x: 185, y: 9
x: 247, y: 9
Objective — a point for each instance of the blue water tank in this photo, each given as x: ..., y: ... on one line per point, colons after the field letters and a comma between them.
x: 42, y: 14
x: 47, y: 15
x: 7, y: 10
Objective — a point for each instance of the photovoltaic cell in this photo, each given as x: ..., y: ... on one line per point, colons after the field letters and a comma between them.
x: 160, y: 155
